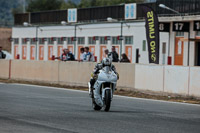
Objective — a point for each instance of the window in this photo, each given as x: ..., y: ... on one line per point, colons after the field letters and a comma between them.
x: 24, y: 40
x: 41, y: 41
x: 33, y: 40
x: 144, y: 45
x: 60, y: 40
x: 69, y: 40
x: 103, y: 41
x: 128, y: 40
x: 91, y: 41
x: 179, y: 33
x: 16, y: 41
x: 50, y: 41
x: 81, y: 40
x: 198, y: 33
x: 115, y: 40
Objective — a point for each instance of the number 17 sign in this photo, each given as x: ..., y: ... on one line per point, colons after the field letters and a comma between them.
x: 181, y: 26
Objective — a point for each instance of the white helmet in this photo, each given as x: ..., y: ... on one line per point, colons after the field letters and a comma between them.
x: 106, y: 62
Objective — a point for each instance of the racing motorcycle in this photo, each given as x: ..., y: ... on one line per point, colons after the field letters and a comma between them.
x: 104, y: 88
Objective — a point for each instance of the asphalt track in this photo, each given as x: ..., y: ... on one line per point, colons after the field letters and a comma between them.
x: 36, y: 109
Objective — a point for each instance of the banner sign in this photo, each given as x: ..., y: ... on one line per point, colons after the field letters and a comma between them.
x: 152, y: 34
x: 164, y: 27
x: 181, y: 26
x: 196, y: 26
x: 72, y: 15
x: 130, y: 11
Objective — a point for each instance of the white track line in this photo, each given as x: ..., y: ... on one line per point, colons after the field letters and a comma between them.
x: 136, y: 98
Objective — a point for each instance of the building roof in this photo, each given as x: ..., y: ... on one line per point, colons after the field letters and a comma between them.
x: 98, y: 14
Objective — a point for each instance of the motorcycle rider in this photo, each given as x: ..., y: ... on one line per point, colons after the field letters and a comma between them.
x: 98, y: 67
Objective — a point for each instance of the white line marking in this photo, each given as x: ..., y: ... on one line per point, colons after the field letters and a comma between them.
x: 126, y: 97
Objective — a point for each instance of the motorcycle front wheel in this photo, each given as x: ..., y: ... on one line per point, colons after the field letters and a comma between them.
x: 107, y: 101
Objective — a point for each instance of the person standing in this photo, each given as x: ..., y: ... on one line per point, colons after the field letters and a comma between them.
x: 124, y: 58
x: 107, y: 54
x: 114, y: 55
x: 88, y: 56
x: 2, y: 55
x: 82, y: 54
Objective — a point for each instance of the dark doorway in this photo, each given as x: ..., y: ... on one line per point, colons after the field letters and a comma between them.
x: 197, y: 54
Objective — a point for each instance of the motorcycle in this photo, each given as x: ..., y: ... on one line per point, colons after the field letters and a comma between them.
x: 104, y: 88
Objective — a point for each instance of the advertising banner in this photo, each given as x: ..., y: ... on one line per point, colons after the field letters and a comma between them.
x: 60, y: 50
x: 24, y: 52
x: 15, y: 51
x: 92, y: 49
x: 41, y: 52
x: 50, y: 52
x: 129, y: 52
x: 33, y: 51
x: 72, y: 15
x: 130, y: 11
x: 102, y: 53
x: 152, y: 34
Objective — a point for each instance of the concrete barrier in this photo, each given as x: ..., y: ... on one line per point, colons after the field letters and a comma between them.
x: 43, y: 71
x: 149, y: 77
x: 176, y: 79
x: 126, y: 75
x: 75, y: 73
x: 171, y: 79
x: 4, y: 69
x: 194, y: 84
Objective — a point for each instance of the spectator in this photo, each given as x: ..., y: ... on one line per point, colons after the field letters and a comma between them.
x: 114, y: 55
x: 82, y: 54
x: 66, y: 56
x: 87, y: 55
x: 2, y: 55
x: 124, y: 58
x: 108, y: 54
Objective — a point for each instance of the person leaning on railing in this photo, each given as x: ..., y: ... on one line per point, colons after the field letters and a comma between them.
x: 88, y: 56
x: 2, y: 55
x: 66, y: 56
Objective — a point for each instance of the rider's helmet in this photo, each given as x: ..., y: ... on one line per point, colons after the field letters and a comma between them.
x: 106, y: 62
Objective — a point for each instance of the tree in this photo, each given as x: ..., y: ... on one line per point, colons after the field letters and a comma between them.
x: 68, y: 4
x: 91, y: 3
x: 43, y: 5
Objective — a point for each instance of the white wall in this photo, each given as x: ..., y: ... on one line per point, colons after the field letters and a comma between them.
x: 176, y: 79
x: 149, y: 77
x: 194, y: 88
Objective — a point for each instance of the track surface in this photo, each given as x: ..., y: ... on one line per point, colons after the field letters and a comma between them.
x: 35, y: 109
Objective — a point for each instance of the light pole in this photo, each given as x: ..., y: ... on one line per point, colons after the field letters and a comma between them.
x: 109, y: 19
x: 168, y: 8
x: 74, y: 39
x: 36, y: 35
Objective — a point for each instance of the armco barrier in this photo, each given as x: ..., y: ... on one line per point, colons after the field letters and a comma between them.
x: 176, y: 80
x: 43, y: 71
x: 149, y: 77
x: 4, y: 69
x: 194, y: 84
